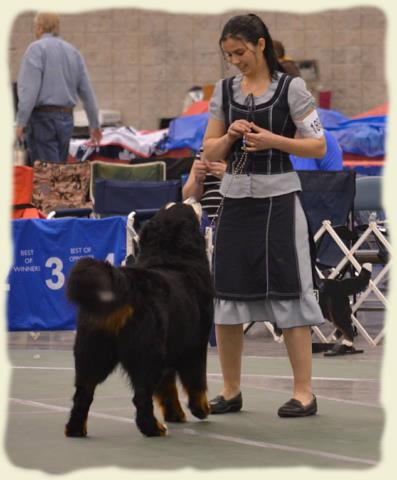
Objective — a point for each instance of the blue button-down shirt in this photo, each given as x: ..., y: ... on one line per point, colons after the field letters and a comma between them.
x: 333, y: 159
x: 53, y: 72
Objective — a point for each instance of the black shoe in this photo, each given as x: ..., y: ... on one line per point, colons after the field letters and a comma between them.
x: 294, y: 408
x: 341, y: 349
x: 220, y: 405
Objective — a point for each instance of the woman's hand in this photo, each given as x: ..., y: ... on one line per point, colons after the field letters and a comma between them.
x: 216, y: 168
x: 238, y: 129
x: 259, y: 139
x: 199, y: 170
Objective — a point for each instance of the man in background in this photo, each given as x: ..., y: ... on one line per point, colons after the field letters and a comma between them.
x: 52, y: 78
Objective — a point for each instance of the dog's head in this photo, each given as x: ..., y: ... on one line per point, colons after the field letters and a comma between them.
x: 174, y: 231
x: 96, y: 285
x: 179, y: 210
x: 198, y: 210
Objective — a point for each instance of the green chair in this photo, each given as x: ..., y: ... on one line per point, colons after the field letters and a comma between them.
x: 151, y: 171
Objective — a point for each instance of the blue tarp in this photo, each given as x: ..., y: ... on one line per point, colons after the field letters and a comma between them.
x: 362, y: 136
x: 44, y: 252
x: 185, y: 132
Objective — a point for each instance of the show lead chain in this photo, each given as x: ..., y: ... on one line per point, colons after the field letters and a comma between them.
x: 237, y: 169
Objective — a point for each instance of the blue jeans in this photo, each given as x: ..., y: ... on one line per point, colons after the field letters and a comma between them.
x: 48, y: 136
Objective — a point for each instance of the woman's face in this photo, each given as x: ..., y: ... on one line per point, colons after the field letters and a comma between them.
x: 246, y: 56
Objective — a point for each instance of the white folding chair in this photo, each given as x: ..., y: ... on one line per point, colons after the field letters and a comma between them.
x: 367, y: 198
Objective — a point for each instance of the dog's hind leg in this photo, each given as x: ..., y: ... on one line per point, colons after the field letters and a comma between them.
x: 95, y: 359
x: 192, y: 372
x: 166, y: 395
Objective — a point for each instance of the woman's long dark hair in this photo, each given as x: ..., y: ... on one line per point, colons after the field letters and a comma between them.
x: 251, y: 28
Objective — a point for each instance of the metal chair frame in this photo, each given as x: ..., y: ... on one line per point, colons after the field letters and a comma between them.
x: 350, y: 257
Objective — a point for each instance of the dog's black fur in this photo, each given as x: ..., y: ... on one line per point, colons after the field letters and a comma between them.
x: 335, y: 303
x: 334, y: 300
x: 154, y: 318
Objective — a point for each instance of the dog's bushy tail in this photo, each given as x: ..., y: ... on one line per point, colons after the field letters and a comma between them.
x: 95, y: 285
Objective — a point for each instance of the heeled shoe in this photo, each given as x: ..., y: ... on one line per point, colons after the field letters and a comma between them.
x: 220, y: 405
x: 295, y: 408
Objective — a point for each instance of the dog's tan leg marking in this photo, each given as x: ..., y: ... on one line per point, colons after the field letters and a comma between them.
x: 171, y: 409
x: 117, y: 319
x: 202, y: 401
x: 198, y: 403
x: 162, y: 428
x: 167, y: 398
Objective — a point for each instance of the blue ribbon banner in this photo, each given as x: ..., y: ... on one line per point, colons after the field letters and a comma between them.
x: 44, y: 252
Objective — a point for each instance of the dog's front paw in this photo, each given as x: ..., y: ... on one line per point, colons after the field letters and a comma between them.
x: 200, y: 407
x: 200, y: 412
x: 152, y: 428
x: 172, y: 412
x: 161, y: 428
x: 175, y: 416
x: 75, y: 430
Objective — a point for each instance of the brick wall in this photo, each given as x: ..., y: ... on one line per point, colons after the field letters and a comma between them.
x: 143, y: 62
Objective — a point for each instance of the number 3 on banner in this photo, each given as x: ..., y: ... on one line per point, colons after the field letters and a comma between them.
x: 56, y: 272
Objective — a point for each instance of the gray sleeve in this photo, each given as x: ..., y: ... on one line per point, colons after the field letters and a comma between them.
x: 215, y: 105
x: 87, y: 95
x: 300, y: 100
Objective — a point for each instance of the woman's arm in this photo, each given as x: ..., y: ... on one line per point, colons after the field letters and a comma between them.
x: 302, y: 147
x: 217, y: 169
x: 194, y: 185
x: 218, y: 141
x: 311, y: 147
x: 262, y: 139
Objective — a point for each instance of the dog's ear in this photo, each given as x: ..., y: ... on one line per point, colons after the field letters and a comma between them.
x: 95, y: 284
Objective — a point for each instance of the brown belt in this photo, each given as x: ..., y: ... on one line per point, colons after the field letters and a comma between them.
x: 53, y: 108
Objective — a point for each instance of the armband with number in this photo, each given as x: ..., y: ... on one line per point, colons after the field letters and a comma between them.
x: 310, y: 126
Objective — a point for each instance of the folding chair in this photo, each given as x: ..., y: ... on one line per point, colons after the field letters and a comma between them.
x: 368, y: 197
x: 328, y: 196
x: 61, y: 187
x: 22, y: 206
x: 367, y: 208
x: 151, y: 171
x: 115, y: 197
